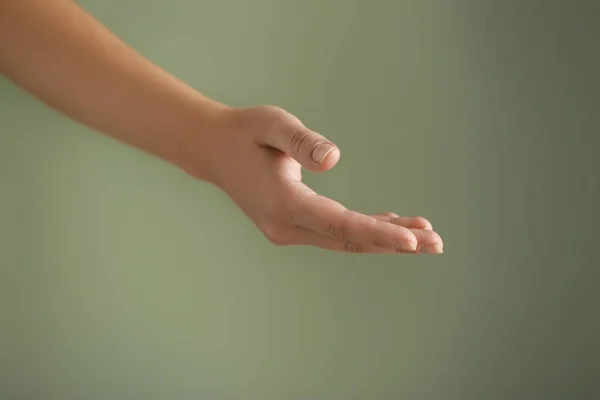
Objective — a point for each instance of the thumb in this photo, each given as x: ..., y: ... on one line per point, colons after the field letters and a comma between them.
x: 313, y: 151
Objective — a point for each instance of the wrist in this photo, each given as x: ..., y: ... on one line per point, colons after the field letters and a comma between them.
x: 203, y: 140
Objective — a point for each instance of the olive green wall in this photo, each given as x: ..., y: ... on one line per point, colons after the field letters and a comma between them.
x: 122, y: 278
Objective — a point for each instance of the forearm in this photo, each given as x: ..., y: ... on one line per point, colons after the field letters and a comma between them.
x: 63, y: 56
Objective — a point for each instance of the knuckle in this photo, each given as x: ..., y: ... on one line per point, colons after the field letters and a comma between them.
x: 297, y: 139
x: 353, y: 247
x: 278, y: 118
x: 274, y: 110
x: 274, y: 119
x: 337, y: 231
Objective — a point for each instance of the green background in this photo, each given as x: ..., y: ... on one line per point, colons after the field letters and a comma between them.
x: 122, y: 278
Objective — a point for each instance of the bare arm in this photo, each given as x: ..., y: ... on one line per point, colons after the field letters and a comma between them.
x: 64, y: 57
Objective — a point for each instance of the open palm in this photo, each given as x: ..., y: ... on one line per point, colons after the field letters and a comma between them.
x: 271, y: 146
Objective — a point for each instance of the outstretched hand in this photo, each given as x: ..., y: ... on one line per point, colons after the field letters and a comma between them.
x: 257, y: 160
x: 61, y: 54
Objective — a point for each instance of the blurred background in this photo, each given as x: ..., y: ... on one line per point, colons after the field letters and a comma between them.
x: 122, y: 278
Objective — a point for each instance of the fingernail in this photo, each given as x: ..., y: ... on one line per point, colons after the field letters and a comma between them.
x: 434, y: 249
x: 406, y: 246
x: 321, y: 151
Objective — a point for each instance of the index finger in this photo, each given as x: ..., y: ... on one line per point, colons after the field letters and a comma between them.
x: 331, y: 219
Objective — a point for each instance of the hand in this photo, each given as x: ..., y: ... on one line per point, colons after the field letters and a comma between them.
x: 257, y: 160
x: 255, y: 154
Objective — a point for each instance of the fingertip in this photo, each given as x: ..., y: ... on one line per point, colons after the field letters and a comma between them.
x: 408, y: 237
x: 413, y: 222
x: 423, y: 223
x: 390, y: 214
x: 434, y: 249
x: 329, y: 161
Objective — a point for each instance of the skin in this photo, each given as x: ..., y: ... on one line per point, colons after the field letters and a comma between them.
x: 60, y: 54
